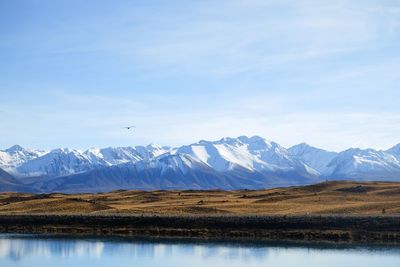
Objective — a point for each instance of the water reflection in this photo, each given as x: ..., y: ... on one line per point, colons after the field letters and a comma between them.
x: 23, y: 250
x: 17, y: 247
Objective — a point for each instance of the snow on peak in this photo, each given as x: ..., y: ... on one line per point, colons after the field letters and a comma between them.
x: 151, y: 151
x: 356, y: 161
x: 171, y: 163
x: 17, y: 155
x: 65, y: 161
x: 300, y: 148
x: 395, y: 151
x: 221, y: 155
x: 15, y: 148
x: 249, y: 154
x: 257, y: 142
x: 254, y: 154
x: 65, y: 151
x: 316, y: 158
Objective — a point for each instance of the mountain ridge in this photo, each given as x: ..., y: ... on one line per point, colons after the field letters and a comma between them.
x: 228, y: 163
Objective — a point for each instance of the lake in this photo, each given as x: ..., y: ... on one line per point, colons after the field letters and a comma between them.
x: 43, y: 251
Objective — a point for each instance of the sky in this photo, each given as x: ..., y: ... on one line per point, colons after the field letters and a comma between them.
x: 73, y: 73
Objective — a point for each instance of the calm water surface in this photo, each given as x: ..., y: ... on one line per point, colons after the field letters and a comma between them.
x: 30, y: 250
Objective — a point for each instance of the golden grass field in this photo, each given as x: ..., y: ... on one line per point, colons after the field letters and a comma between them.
x: 373, y: 198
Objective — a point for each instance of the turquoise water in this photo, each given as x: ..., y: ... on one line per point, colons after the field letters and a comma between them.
x: 29, y: 250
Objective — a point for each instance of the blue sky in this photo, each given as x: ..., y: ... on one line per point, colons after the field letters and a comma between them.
x: 72, y: 73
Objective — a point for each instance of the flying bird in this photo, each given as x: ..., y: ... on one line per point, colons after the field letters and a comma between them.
x: 129, y: 127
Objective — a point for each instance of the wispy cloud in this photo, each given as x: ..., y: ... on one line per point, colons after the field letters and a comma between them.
x: 88, y: 125
x: 222, y: 43
x: 291, y: 71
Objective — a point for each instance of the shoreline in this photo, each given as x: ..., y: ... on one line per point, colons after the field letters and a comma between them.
x: 307, y: 228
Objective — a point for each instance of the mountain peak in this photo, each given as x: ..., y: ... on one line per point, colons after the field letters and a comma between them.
x: 394, y: 150
x: 154, y: 147
x: 64, y: 151
x: 228, y: 140
x: 304, y: 144
x: 301, y: 148
x: 251, y: 139
x: 256, y: 142
x: 14, y: 149
x: 246, y: 158
x: 316, y: 158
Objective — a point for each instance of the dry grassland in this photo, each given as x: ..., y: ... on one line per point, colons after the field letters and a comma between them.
x: 374, y: 198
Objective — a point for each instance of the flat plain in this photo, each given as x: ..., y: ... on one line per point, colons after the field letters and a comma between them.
x: 352, y: 198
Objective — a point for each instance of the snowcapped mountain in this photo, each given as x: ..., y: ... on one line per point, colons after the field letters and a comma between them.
x: 17, y: 155
x: 395, y: 151
x: 152, y: 151
x: 164, y: 172
x: 316, y: 158
x: 57, y: 162
x: 111, y: 156
x: 170, y: 171
x: 254, y: 154
x: 229, y: 163
x: 65, y: 161
x: 364, y: 164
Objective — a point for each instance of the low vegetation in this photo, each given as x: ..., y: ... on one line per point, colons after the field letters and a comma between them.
x: 351, y: 198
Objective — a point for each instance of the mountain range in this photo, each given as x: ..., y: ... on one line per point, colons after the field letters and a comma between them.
x: 229, y: 163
